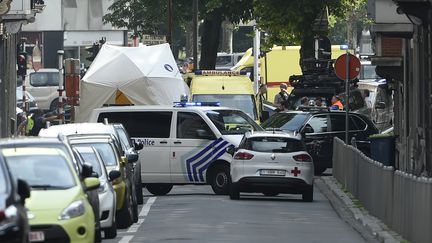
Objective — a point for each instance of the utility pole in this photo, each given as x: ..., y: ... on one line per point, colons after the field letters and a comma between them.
x: 195, y: 34
x: 169, y: 13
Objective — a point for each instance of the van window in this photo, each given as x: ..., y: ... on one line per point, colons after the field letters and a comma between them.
x: 243, y: 102
x: 188, y: 123
x: 148, y: 124
x: 38, y: 79
x: 223, y: 60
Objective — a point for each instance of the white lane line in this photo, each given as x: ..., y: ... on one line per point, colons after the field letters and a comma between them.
x: 146, y: 208
x: 126, y: 239
x: 134, y: 228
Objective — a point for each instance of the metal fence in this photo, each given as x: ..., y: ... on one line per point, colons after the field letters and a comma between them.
x: 401, y: 200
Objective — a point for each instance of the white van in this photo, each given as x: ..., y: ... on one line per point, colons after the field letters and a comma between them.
x: 43, y: 85
x: 182, y: 144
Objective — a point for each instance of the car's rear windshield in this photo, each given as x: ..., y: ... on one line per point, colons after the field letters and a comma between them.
x: 105, y: 150
x: 45, y: 171
x: 91, y: 158
x: 286, y: 121
x: 272, y: 144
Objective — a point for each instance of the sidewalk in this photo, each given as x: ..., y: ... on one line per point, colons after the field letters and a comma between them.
x: 351, y: 210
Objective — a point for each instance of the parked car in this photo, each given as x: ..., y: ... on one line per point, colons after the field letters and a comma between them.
x: 107, y: 196
x: 380, y: 103
x: 127, y: 208
x: 14, y: 225
x: 317, y: 129
x: 271, y: 163
x: 58, y: 209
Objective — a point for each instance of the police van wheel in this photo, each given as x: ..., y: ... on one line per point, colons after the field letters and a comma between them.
x: 159, y: 189
x: 220, y: 180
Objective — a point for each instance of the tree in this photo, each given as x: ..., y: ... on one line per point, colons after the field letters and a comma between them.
x: 216, y: 11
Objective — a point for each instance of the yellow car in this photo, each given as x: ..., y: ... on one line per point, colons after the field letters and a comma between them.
x: 58, y: 209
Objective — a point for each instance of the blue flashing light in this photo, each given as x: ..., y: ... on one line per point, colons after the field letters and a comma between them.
x: 185, y: 104
x: 344, y: 47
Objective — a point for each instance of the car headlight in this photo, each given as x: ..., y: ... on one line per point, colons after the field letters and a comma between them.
x: 74, y: 209
x: 103, y: 187
x: 8, y: 217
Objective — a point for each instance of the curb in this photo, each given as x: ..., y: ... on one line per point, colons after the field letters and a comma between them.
x: 372, y: 225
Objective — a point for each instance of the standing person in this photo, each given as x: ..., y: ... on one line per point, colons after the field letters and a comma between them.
x: 37, y: 121
x: 336, y: 103
x: 281, y: 98
x: 319, y: 102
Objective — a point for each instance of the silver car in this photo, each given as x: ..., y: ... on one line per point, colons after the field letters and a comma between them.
x: 107, y: 196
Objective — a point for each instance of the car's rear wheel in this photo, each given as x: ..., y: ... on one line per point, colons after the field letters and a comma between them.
x: 159, y: 189
x: 125, y: 215
x: 111, y: 232
x: 270, y: 193
x: 220, y: 180
x: 307, y: 195
x: 234, y: 192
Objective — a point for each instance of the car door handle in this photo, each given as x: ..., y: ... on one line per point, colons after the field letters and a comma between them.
x: 177, y: 142
x: 163, y: 142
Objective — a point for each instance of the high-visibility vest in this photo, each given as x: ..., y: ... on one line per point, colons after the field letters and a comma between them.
x: 30, y: 123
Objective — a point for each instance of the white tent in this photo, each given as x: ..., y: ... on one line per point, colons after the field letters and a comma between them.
x: 145, y: 75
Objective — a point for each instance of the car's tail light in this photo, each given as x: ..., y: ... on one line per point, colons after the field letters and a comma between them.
x: 243, y: 156
x: 302, y: 158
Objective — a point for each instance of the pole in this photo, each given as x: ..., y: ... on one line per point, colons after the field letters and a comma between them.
x: 169, y: 35
x: 195, y: 34
x: 347, y: 97
x: 60, y: 54
x: 256, y: 52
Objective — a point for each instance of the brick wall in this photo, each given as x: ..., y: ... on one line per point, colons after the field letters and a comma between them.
x: 391, y: 47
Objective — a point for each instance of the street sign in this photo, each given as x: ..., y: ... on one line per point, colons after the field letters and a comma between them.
x: 341, y: 66
x: 150, y: 40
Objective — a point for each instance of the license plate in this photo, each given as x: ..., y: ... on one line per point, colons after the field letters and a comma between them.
x: 273, y: 172
x: 36, y: 236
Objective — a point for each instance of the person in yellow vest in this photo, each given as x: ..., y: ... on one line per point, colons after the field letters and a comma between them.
x: 37, y: 121
x: 336, y: 103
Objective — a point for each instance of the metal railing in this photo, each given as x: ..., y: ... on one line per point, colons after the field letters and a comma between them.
x: 401, y: 200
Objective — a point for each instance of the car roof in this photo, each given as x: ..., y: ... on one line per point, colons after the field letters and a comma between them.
x: 160, y: 108
x: 76, y: 128
x: 275, y: 133
x: 30, y: 140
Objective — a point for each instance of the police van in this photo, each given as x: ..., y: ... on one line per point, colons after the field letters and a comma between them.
x: 182, y: 144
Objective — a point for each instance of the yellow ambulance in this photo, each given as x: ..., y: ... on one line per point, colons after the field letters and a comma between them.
x: 230, y: 88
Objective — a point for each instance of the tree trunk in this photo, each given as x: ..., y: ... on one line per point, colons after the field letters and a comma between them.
x: 210, y: 40
x: 189, y: 39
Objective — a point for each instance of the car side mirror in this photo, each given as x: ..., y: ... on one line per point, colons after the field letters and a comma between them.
x: 114, y: 174
x: 380, y: 105
x: 231, y: 150
x: 307, y: 129
x: 87, y: 170
x: 132, y: 157
x: 203, y: 134
x: 138, y: 146
x: 23, y: 190
x: 91, y: 183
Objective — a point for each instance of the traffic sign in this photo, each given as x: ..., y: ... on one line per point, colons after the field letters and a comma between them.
x: 341, y: 66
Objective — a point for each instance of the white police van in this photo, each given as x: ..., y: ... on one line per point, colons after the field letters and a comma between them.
x: 183, y: 144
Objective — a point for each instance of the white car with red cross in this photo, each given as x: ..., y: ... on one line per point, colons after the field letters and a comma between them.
x: 271, y: 163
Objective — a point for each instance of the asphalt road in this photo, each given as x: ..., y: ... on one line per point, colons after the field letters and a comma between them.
x: 195, y: 214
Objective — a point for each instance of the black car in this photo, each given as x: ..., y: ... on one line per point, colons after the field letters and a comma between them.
x: 14, y: 226
x: 318, y: 128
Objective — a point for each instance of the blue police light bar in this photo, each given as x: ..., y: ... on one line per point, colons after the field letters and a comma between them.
x: 219, y: 73
x: 184, y: 104
x: 344, y: 47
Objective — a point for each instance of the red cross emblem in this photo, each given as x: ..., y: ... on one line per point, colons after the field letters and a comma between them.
x: 296, y: 171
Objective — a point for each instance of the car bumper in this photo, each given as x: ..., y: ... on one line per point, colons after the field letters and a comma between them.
x: 276, y: 184
x: 107, y: 208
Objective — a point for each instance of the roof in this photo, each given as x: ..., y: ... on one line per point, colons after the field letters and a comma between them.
x: 159, y: 108
x: 270, y: 134
x: 76, y: 128
x: 30, y: 140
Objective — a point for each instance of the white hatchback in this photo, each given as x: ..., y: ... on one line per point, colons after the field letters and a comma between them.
x: 271, y: 163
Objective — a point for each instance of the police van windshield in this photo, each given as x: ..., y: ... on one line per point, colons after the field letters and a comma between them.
x: 243, y: 102
x: 231, y: 122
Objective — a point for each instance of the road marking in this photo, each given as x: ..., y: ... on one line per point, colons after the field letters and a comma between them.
x: 126, y: 239
x: 134, y: 228
x: 146, y: 208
